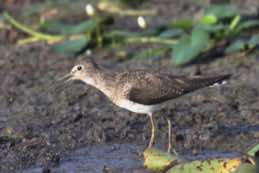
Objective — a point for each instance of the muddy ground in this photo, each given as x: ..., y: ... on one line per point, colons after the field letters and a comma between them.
x: 40, y: 125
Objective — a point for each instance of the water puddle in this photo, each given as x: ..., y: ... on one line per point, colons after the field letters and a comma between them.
x: 93, y: 159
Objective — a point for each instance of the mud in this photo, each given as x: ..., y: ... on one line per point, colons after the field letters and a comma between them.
x: 42, y: 127
x: 39, y: 125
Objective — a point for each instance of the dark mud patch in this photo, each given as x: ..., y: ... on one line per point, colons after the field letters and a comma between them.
x: 40, y: 126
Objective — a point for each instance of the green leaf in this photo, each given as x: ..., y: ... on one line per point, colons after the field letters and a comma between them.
x: 184, y: 24
x: 189, y: 47
x: 254, y: 40
x: 253, y: 150
x: 156, y: 160
x: 209, y: 19
x: 240, y: 45
x: 222, y: 11
x: 151, y: 53
x: 217, y: 165
x: 213, y: 28
x: 71, y: 47
x: 234, y: 22
x: 69, y: 29
x: 170, y: 33
x: 159, y: 161
x: 236, y: 46
x: 247, y: 25
x: 199, y: 38
x: 246, y: 168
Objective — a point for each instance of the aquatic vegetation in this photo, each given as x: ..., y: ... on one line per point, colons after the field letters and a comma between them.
x: 220, y: 26
x: 160, y: 161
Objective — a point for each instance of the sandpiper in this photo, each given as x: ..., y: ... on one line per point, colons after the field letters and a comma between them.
x: 139, y: 91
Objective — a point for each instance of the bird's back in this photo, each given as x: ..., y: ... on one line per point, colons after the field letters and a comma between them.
x: 154, y: 88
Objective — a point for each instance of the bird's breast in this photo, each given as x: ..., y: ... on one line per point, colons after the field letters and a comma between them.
x: 136, y: 107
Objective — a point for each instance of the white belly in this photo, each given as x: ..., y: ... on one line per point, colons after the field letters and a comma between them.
x: 137, y: 108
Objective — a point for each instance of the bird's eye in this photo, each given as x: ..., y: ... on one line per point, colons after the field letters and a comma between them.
x: 79, y: 68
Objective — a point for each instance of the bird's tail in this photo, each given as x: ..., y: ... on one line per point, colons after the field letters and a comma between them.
x: 201, y: 82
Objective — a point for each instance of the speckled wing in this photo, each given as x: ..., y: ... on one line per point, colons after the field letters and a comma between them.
x: 158, y: 88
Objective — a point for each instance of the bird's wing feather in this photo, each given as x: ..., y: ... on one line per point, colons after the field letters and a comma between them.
x: 157, y: 88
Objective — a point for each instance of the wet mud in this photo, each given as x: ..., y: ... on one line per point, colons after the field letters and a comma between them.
x: 44, y: 129
x: 39, y: 125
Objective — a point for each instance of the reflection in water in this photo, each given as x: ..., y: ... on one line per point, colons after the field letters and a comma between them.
x: 92, y: 159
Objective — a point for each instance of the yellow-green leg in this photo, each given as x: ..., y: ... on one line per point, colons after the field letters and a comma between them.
x: 153, y: 131
x: 169, y: 135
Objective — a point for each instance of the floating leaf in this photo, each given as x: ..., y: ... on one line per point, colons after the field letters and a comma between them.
x: 159, y: 161
x: 209, y: 19
x: 222, y: 11
x: 208, y: 166
x: 71, y: 47
x: 189, y: 47
x: 246, y: 168
x: 69, y: 29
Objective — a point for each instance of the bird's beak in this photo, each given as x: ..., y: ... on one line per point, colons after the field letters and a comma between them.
x: 61, y: 82
x: 66, y: 78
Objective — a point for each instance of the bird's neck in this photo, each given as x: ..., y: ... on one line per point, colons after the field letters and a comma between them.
x: 102, y: 80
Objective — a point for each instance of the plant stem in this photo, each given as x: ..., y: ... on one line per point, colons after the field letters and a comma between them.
x: 150, y: 39
x: 27, y: 40
x: 117, y: 9
x: 28, y: 30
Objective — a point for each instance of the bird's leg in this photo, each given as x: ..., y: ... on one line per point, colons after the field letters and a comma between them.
x: 169, y: 135
x: 153, y: 131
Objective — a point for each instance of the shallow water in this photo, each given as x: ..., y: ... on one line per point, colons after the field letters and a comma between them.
x: 93, y: 159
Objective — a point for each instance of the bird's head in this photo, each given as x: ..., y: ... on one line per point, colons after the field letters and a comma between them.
x: 82, y: 71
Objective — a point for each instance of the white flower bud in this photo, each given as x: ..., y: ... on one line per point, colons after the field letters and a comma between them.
x: 142, y: 22
x: 88, y: 52
x: 89, y: 10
